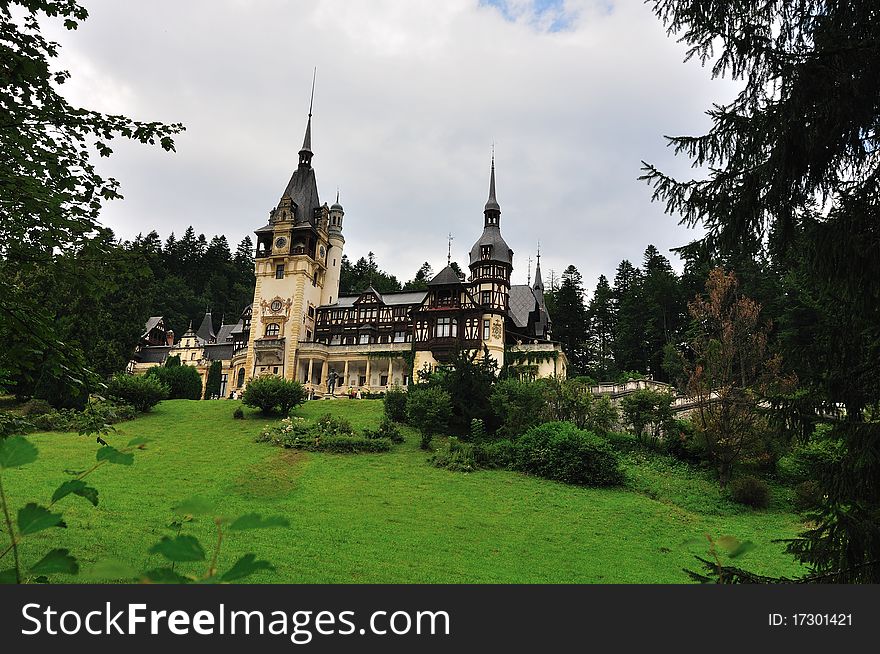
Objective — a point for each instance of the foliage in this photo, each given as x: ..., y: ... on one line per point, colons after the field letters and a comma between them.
x: 238, y: 414
x: 750, y: 491
x: 326, y: 434
x: 603, y: 416
x: 428, y: 409
x: 35, y: 407
x: 52, y: 195
x: 141, y: 392
x: 468, y: 380
x: 562, y: 452
x: 649, y: 414
x: 478, y: 431
x: 807, y: 496
x: 356, y: 278
x: 731, y: 371
x: 387, y: 429
x: 792, y: 172
x: 518, y: 406
x: 810, y: 460
x: 569, y: 313
x: 214, y: 380
x: 395, y: 404
x: 329, y: 425
x: 183, y: 382
x: 268, y: 393
x: 98, y: 413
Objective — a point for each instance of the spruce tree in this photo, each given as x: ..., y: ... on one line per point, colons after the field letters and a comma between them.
x: 793, y: 172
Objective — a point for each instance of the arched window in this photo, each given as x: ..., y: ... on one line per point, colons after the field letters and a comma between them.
x: 272, y: 329
x: 240, y: 377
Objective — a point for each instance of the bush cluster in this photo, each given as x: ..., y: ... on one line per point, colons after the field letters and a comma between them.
x: 270, y: 393
x: 554, y: 450
x: 750, y: 491
x: 97, y: 412
x: 395, y: 404
x: 141, y: 392
x: 561, y: 451
x: 387, y: 429
x: 238, y: 414
x: 327, y: 434
x: 183, y: 382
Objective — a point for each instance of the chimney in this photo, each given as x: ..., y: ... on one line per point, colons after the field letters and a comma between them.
x: 169, y: 337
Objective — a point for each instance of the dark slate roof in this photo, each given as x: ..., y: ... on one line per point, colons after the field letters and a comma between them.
x: 521, y: 303
x: 237, y: 328
x: 445, y: 276
x: 218, y: 351
x: 492, y: 203
x: 390, y: 299
x: 225, y: 333
x: 151, y: 323
x: 206, y: 329
x: 152, y: 353
x: 500, y: 250
x: 303, y: 190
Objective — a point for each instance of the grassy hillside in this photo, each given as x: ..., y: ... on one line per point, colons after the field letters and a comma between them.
x: 383, y: 517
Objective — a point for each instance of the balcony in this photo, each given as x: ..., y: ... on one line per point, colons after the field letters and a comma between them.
x: 269, y: 351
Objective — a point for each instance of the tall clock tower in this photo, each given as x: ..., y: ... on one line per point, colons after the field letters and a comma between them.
x: 299, y: 254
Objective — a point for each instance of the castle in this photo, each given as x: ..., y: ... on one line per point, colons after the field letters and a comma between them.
x: 299, y: 327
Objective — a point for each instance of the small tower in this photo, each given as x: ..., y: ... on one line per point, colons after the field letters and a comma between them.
x: 333, y: 263
x: 491, y: 264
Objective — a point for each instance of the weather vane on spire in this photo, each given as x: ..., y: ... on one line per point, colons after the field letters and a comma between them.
x: 529, y: 274
x: 449, y: 250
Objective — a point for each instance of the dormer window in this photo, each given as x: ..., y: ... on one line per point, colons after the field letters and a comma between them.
x: 485, y: 251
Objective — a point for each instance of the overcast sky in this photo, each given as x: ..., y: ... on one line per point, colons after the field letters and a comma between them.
x: 410, y: 96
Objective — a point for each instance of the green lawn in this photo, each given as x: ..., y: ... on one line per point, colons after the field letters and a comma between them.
x: 373, y: 518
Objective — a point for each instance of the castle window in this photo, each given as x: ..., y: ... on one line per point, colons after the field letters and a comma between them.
x: 486, y: 297
x: 335, y: 339
x: 272, y: 329
x: 485, y: 251
x: 240, y: 381
x: 486, y: 329
x: 443, y: 328
x: 279, y: 271
x: 365, y: 339
x: 308, y: 335
x: 192, y: 356
x: 399, y: 336
x: 311, y: 311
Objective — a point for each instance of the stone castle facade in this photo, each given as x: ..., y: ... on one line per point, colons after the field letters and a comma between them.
x: 300, y: 328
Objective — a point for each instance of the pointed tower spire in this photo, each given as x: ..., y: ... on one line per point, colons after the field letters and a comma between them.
x: 305, y: 153
x: 539, y: 283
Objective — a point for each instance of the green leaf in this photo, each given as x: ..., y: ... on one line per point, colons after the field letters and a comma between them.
x: 16, y: 451
x: 111, y: 454
x: 108, y: 570
x: 55, y: 561
x: 165, y: 576
x: 244, y: 567
x: 179, y: 548
x: 195, y: 506
x: 76, y: 487
x: 7, y: 576
x: 140, y: 440
x: 254, y: 521
x: 33, y: 518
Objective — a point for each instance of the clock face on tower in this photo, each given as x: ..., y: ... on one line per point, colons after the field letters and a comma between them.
x: 323, y: 251
x: 275, y: 306
x: 280, y: 242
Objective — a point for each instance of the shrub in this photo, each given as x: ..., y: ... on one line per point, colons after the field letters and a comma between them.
x: 347, y: 444
x: 238, y: 414
x: 141, y: 392
x: 395, y: 404
x: 214, y: 380
x: 807, y: 495
x: 648, y: 412
x: 269, y: 393
x: 808, y: 461
x: 680, y: 442
x: 96, y: 414
x: 750, y: 491
x: 478, y: 431
x: 561, y: 451
x: 35, y: 407
x: 518, y: 406
x: 387, y: 429
x: 603, y: 416
x: 499, y: 454
x: 428, y: 410
x: 458, y: 456
x: 183, y: 382
x: 327, y: 425
x: 12, y: 423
